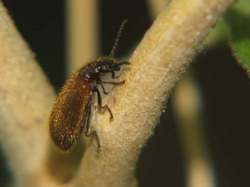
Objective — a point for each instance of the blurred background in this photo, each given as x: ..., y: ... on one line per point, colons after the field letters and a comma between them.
x: 222, y: 86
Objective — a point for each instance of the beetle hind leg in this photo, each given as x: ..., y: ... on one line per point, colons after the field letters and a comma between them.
x: 95, y: 135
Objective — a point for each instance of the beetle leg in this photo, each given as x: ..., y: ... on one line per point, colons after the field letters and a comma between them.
x: 94, y: 133
x: 114, y: 83
x: 113, y: 75
x: 120, y: 64
x: 99, y: 100
x: 86, y: 125
x: 103, y: 88
x: 87, y: 118
x: 99, y: 81
x: 123, y: 63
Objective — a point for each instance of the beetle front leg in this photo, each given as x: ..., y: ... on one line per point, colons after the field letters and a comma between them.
x: 99, y: 101
x: 114, y: 83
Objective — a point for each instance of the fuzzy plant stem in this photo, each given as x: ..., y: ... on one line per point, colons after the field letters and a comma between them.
x: 188, y: 113
x: 25, y: 99
x: 157, y: 63
x: 156, y: 6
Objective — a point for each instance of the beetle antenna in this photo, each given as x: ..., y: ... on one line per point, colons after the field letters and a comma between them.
x: 118, y: 35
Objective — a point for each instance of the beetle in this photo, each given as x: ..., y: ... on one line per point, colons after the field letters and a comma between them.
x: 70, y: 115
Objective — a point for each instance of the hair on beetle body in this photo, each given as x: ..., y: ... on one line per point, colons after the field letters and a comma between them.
x: 70, y: 116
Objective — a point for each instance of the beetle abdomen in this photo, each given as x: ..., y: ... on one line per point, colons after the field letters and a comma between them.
x: 69, y: 112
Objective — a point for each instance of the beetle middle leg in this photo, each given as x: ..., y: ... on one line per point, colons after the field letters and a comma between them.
x: 101, y: 82
x: 99, y: 101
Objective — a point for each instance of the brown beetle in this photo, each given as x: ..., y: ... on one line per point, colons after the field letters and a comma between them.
x: 71, y: 112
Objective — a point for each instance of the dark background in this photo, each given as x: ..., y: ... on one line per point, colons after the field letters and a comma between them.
x: 224, y: 84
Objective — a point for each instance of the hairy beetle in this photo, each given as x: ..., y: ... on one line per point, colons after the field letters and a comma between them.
x: 71, y: 112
